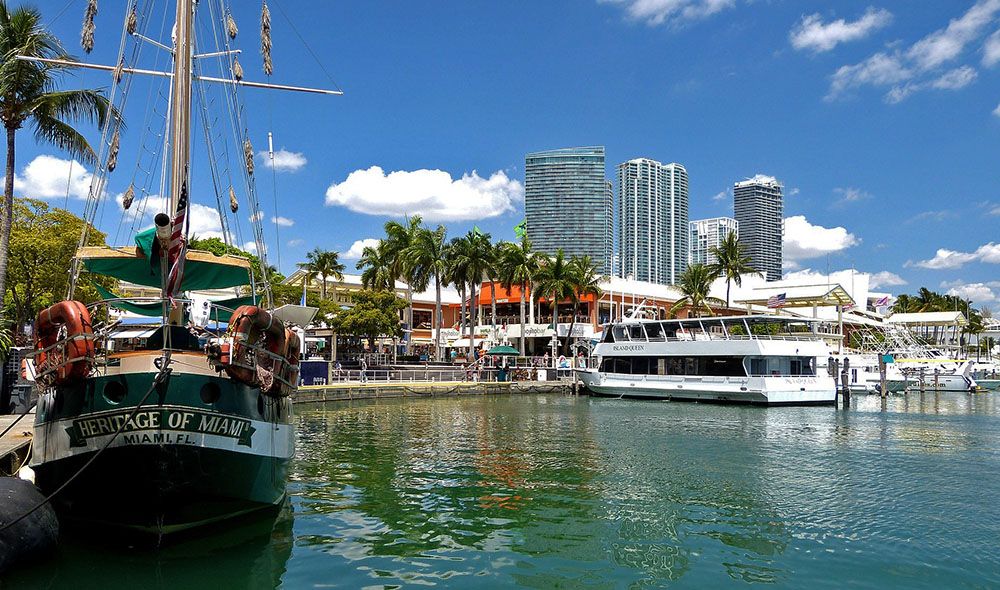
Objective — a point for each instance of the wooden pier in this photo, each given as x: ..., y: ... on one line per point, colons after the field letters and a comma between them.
x: 14, y: 445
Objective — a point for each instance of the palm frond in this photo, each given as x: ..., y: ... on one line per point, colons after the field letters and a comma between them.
x: 64, y: 137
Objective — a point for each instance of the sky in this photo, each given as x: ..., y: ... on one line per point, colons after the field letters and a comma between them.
x: 880, y: 118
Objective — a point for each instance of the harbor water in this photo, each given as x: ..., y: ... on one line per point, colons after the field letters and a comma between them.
x: 574, y: 492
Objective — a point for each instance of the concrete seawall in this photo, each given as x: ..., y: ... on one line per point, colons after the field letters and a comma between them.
x: 357, y: 390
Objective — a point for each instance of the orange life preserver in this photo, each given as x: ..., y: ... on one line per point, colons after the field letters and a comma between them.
x: 247, y: 326
x: 74, y: 359
x: 291, y: 353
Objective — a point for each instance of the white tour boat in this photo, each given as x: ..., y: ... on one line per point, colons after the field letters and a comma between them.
x: 768, y: 360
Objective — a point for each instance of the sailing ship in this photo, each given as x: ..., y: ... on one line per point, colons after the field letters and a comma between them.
x: 192, y: 424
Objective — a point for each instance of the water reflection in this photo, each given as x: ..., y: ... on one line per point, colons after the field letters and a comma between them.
x: 250, y: 554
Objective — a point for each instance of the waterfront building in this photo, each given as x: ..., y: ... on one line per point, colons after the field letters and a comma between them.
x: 568, y: 203
x: 758, y: 205
x: 707, y: 234
x: 653, y: 220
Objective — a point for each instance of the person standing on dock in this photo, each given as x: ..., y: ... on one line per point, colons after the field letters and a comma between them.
x: 364, y: 370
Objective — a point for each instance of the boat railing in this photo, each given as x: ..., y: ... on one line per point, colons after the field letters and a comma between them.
x: 704, y: 337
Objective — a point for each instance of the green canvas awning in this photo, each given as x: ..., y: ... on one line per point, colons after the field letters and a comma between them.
x: 155, y: 308
x: 202, y: 270
x: 503, y: 350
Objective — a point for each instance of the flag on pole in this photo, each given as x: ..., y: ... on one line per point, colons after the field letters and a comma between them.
x: 776, y: 301
x: 847, y: 307
x: 178, y: 243
x: 882, y: 302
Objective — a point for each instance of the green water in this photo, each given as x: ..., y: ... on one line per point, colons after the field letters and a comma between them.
x: 563, y: 492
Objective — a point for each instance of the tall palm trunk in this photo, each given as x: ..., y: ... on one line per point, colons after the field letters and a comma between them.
x: 409, y: 317
x: 728, y: 283
x: 322, y: 287
x: 473, y: 317
x: 8, y: 211
x: 437, y: 319
x: 523, y: 288
x: 493, y: 307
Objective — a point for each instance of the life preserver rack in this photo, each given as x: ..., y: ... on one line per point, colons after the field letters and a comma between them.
x: 258, y: 350
x: 69, y: 359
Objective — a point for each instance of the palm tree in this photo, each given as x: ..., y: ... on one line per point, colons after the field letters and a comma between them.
x: 518, y: 266
x: 458, y: 273
x: 586, y: 281
x: 379, y: 273
x: 695, y: 284
x: 323, y: 264
x: 470, y: 261
x: 555, y: 280
x: 732, y: 262
x: 399, y: 237
x: 427, y: 255
x: 27, y: 95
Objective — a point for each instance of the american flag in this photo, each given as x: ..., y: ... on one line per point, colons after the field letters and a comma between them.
x: 776, y: 301
x: 178, y: 243
x: 847, y: 307
x: 882, y: 302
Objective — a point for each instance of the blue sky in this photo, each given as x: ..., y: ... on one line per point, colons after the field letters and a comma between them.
x: 881, y: 118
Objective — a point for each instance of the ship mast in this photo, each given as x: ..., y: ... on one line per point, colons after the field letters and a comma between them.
x: 180, y: 116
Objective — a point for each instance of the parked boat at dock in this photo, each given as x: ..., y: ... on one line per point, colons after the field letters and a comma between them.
x: 767, y: 360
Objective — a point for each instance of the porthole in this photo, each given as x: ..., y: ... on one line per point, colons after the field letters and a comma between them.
x: 115, y: 391
x: 210, y: 392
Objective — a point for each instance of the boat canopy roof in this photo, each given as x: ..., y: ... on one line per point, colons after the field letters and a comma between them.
x: 220, y: 309
x: 732, y: 320
x: 140, y: 265
x: 929, y: 318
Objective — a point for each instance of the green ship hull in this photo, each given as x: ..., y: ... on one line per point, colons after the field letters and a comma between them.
x: 200, y: 450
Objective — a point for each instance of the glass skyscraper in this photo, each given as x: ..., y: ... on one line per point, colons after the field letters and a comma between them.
x: 568, y: 203
x: 653, y: 220
x: 759, y: 207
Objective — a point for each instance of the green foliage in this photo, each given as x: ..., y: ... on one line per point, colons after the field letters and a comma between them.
x: 378, y: 266
x: 43, y: 242
x: 375, y: 314
x: 281, y: 292
x: 732, y: 262
x: 323, y: 264
x: 695, y: 284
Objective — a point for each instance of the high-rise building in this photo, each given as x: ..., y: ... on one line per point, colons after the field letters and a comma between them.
x: 759, y: 208
x: 568, y: 203
x: 653, y: 220
x: 707, y: 234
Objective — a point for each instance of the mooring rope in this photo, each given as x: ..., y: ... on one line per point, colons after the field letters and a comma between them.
x: 164, y: 372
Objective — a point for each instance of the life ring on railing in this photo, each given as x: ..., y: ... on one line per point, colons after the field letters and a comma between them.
x: 72, y: 360
x: 291, y: 354
x: 248, y: 325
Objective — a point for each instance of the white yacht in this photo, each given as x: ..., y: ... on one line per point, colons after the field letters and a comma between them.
x: 767, y: 360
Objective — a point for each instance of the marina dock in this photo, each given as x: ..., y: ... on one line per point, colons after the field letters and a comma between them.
x: 14, y: 444
x: 358, y: 390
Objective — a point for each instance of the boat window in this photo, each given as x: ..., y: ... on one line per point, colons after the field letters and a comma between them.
x: 758, y: 366
x: 608, y: 335
x: 640, y: 365
x: 618, y: 332
x: 635, y: 332
x: 654, y: 332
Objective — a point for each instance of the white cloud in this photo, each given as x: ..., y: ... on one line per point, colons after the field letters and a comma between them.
x: 658, y: 12
x: 917, y: 67
x: 947, y: 44
x: 48, y: 177
x: 256, y: 217
x: 284, y: 160
x: 763, y: 178
x: 356, y: 249
x: 432, y: 194
x: 804, y: 240
x: 813, y: 34
x: 719, y: 196
x: 885, y: 279
x: 955, y: 79
x: 282, y: 221
x: 996, y: 111
x: 251, y: 247
x: 850, y: 195
x: 296, y: 242
x: 991, y: 50
x: 950, y: 259
x: 977, y: 292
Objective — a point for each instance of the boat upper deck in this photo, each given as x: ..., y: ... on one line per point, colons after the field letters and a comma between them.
x: 750, y: 327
